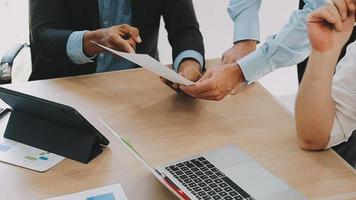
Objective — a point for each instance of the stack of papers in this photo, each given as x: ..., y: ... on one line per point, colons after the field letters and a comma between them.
x: 113, y: 192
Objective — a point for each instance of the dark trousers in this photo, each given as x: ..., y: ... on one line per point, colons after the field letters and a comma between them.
x: 346, y: 150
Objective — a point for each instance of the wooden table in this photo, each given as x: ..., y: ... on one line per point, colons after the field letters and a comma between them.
x: 164, y: 126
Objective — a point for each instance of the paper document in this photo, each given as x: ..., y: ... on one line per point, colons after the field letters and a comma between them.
x: 113, y: 192
x: 150, y: 64
x: 26, y: 156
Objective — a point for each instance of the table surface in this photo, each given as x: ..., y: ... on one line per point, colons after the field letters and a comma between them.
x: 165, y: 126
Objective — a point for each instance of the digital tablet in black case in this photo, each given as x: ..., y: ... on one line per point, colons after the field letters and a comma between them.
x: 51, y: 126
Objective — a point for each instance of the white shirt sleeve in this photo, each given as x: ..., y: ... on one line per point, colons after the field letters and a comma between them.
x: 344, y: 96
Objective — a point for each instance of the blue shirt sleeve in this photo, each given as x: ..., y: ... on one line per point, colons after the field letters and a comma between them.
x: 188, y: 54
x: 75, y: 48
x: 289, y: 47
x: 244, y: 14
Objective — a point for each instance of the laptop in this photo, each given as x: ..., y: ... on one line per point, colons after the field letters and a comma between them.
x: 225, y: 173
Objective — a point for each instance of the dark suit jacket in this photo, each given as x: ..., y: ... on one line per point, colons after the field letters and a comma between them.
x: 52, y: 22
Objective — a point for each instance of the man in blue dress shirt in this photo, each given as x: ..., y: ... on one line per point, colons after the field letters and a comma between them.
x: 242, y: 63
x: 61, y: 31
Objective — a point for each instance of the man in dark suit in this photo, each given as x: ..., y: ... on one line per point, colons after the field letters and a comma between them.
x: 61, y: 31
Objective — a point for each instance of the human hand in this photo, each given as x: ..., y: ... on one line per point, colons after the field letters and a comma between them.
x: 188, y: 68
x: 343, y: 6
x: 120, y: 37
x: 328, y: 28
x: 216, y: 83
x: 238, y: 51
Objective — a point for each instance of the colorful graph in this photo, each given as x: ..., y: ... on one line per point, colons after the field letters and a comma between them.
x: 40, y: 156
x: 108, y: 196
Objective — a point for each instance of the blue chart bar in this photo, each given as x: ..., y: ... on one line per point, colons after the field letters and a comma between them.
x: 43, y: 158
x: 109, y: 196
x: 4, y: 148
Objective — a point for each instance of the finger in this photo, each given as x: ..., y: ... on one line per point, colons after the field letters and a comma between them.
x: 132, y: 43
x: 205, y: 77
x: 120, y: 44
x: 163, y: 80
x: 351, y: 4
x: 209, y: 94
x: 213, y: 96
x: 132, y: 32
x: 135, y: 35
x: 191, y: 74
x: 175, y: 86
x: 199, y: 88
x: 170, y: 84
x: 334, y: 11
x: 342, y: 8
x: 320, y: 16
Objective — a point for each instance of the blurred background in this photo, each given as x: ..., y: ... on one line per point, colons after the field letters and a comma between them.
x: 215, y: 24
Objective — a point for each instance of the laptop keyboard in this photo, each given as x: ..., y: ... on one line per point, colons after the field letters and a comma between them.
x: 206, y: 182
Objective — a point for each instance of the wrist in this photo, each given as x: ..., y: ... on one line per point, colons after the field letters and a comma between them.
x: 243, y: 48
x: 321, y: 65
x: 246, y: 43
x: 328, y: 54
x: 89, y: 48
x: 236, y: 70
x: 189, y: 63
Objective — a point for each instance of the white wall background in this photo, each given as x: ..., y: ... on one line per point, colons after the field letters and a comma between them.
x: 13, y: 23
x: 216, y: 26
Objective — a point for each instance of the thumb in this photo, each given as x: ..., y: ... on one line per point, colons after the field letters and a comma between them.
x: 205, y: 77
x: 192, y: 74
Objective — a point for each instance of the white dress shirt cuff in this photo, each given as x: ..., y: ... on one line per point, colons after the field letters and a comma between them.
x: 75, y: 48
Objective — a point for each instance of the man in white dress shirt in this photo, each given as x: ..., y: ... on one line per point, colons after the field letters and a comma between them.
x: 326, y: 102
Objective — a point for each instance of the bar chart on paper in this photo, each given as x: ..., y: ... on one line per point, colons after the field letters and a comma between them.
x: 41, y: 156
x: 112, y: 192
x: 108, y: 196
x: 26, y: 156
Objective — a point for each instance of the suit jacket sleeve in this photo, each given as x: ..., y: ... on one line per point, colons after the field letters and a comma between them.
x: 49, y: 29
x: 182, y: 27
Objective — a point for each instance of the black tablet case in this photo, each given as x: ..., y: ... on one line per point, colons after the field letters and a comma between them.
x: 50, y: 126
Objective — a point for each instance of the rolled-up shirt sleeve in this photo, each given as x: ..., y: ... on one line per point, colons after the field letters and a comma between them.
x: 344, y: 97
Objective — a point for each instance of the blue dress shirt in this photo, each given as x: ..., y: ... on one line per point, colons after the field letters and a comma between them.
x: 289, y: 47
x: 115, y: 12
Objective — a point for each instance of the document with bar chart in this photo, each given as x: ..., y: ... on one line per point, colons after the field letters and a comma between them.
x: 26, y: 156
x: 112, y: 192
